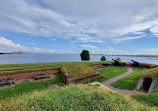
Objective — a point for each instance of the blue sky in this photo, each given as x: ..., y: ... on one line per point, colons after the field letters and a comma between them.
x: 69, y: 26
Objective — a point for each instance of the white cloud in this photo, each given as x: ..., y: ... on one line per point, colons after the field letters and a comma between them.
x: 9, y: 43
x: 114, y: 51
x: 43, y: 50
x: 96, y: 22
x: 123, y: 39
x: 91, y: 48
x: 154, y: 30
x: 88, y: 46
x: 149, y: 51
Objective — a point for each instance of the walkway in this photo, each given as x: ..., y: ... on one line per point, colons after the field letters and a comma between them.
x: 107, y: 84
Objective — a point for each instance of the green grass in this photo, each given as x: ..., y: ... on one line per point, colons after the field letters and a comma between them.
x: 28, y: 86
x: 19, y: 68
x: 77, y: 70
x: 74, y: 98
x: 130, y: 81
x: 110, y: 71
x: 150, y: 99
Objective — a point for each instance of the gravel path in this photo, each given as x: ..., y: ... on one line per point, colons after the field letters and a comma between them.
x: 107, y: 84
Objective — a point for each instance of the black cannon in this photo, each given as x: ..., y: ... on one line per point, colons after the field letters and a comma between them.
x: 117, y: 63
x: 136, y: 64
x: 5, y: 82
x: 40, y: 76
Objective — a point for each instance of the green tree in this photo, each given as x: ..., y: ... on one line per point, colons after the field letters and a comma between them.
x: 118, y: 59
x: 103, y: 58
x: 85, y: 56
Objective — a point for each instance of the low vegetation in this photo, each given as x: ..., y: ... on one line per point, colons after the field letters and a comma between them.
x: 151, y: 98
x: 109, y: 72
x: 21, y: 96
x: 19, y: 68
x: 129, y: 82
x: 74, y: 98
x: 28, y: 86
x: 78, y: 70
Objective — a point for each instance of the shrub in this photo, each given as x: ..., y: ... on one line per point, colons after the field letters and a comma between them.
x: 118, y: 59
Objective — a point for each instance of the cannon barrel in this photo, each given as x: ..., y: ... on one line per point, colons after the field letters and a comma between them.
x: 134, y: 61
x: 136, y: 64
x: 117, y: 63
x: 115, y: 60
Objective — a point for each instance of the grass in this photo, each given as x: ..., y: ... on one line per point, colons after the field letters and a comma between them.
x: 110, y: 71
x: 151, y: 98
x: 28, y: 86
x: 19, y: 68
x: 25, y: 89
x: 74, y: 98
x: 77, y: 70
x: 130, y: 81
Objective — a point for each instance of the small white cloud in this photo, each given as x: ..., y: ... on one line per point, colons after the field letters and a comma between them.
x: 88, y: 46
x: 154, y: 29
x: 43, y: 50
x: 126, y: 39
x: 91, y: 48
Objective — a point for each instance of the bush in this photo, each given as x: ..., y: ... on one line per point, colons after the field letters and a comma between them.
x: 118, y: 59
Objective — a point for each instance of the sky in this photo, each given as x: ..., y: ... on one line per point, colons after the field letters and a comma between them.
x: 111, y: 27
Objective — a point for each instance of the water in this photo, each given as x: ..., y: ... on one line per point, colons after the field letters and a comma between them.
x: 44, y: 58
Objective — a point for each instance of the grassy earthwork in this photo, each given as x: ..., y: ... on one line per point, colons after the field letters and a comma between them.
x: 36, y: 95
x: 74, y: 98
x: 129, y: 82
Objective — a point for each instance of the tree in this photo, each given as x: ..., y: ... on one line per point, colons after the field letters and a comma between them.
x: 103, y: 58
x: 118, y: 59
x: 85, y: 56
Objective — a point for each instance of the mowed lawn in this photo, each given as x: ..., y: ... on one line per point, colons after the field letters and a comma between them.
x: 110, y: 71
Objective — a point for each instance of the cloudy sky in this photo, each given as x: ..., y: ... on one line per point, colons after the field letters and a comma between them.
x: 69, y: 26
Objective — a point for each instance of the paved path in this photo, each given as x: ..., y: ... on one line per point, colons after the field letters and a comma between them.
x: 107, y: 84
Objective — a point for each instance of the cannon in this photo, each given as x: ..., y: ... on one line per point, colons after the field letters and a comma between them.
x: 41, y: 76
x: 117, y: 63
x: 5, y: 82
x: 136, y: 64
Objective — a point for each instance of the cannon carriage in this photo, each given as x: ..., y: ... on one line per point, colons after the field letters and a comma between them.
x: 5, y: 82
x: 139, y: 65
x: 116, y: 63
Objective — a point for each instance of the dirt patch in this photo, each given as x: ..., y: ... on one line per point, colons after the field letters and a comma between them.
x: 28, y: 74
x: 53, y: 86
